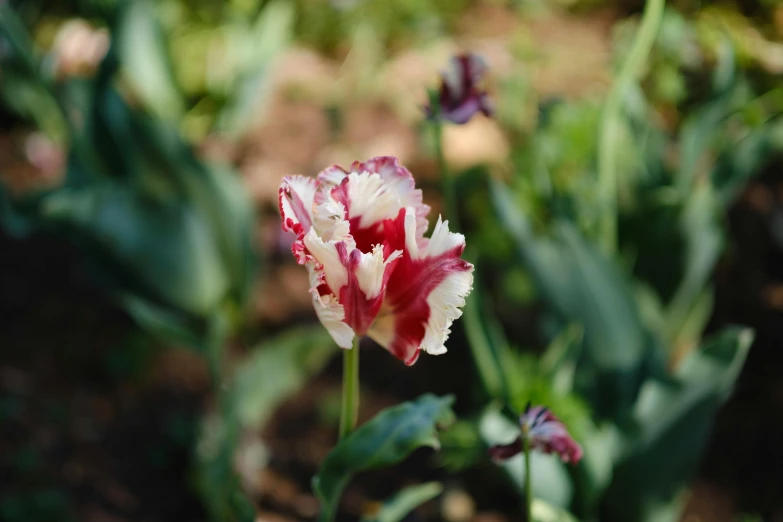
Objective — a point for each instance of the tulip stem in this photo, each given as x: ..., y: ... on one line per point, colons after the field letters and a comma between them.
x: 349, y: 413
x: 528, y: 485
x: 449, y: 189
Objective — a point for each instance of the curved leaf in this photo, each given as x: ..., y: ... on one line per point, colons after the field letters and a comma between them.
x: 545, y: 512
x: 276, y: 370
x: 143, y: 52
x: 385, y: 440
x: 673, y: 422
x: 406, y: 500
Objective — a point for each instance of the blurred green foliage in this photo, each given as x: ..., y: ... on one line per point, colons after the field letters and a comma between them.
x: 329, y: 24
x: 652, y: 385
x: 622, y: 360
x: 168, y: 234
x: 400, y: 505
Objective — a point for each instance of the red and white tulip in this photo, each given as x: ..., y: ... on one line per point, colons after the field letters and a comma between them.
x: 360, y: 233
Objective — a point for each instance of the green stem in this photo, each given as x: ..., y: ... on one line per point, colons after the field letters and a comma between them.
x: 630, y: 71
x: 350, y: 408
x: 528, y: 484
x: 449, y: 189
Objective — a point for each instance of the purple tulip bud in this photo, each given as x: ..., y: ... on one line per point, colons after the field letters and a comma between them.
x: 461, y: 95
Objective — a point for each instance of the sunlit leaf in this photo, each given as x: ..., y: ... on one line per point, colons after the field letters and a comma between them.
x: 406, y: 500
x: 270, y: 35
x: 545, y: 512
x: 277, y: 368
x: 145, y: 58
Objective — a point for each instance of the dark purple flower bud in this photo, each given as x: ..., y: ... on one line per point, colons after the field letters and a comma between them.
x: 543, y: 432
x: 461, y: 95
x: 547, y: 434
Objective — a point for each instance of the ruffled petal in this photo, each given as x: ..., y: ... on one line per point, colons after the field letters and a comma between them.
x: 369, y: 200
x: 330, y: 312
x: 329, y: 221
x: 329, y: 178
x: 328, y: 259
x: 401, y: 182
x: 548, y: 435
x: 425, y: 291
x: 296, y: 198
x: 357, y: 279
x: 368, y: 276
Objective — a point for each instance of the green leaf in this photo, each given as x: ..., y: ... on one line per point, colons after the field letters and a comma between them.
x: 461, y: 446
x: 145, y: 58
x: 673, y: 421
x: 488, y: 356
x: 17, y: 37
x: 261, y: 46
x: 703, y: 244
x: 702, y: 128
x: 164, y: 322
x: 385, y: 440
x: 581, y: 285
x: 545, y: 512
x: 215, y: 478
x: 406, y: 500
x: 24, y: 90
x: 276, y: 369
x: 168, y: 250
x: 559, y: 359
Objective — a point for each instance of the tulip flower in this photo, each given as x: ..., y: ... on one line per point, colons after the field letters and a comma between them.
x: 460, y: 95
x: 360, y: 234
x: 543, y: 432
x: 78, y: 49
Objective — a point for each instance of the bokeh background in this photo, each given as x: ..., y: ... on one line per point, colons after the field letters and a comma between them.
x: 160, y: 357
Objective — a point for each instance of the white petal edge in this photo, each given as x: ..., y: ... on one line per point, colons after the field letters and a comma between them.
x: 325, y: 253
x: 445, y: 302
x: 331, y: 314
x: 370, y: 271
x: 329, y: 221
x: 332, y: 175
x: 411, y: 238
x: 442, y: 240
x: 304, y: 188
x: 371, y: 199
